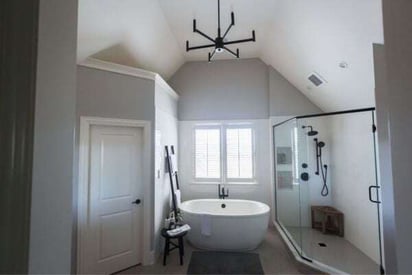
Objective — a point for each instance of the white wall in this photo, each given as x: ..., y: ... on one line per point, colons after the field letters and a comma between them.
x: 52, y: 189
x: 352, y: 170
x: 259, y: 192
x: 165, y: 134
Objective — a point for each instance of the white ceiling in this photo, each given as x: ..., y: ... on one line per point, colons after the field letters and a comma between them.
x: 129, y: 32
x: 296, y: 37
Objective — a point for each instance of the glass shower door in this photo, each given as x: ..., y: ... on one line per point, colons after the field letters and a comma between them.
x: 339, y: 220
x: 287, y: 208
x: 327, y: 192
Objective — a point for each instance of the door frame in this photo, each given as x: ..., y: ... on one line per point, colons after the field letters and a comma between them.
x: 86, y: 123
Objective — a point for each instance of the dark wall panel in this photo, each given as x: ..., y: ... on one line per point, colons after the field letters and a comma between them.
x: 18, y: 51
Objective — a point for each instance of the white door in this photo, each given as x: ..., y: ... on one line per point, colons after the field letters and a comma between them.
x: 114, y: 226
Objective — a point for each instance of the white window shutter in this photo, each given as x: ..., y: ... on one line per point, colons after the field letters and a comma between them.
x: 207, y: 153
x: 239, y: 153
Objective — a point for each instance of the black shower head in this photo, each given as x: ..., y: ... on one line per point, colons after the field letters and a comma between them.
x: 312, y: 132
x: 321, y: 144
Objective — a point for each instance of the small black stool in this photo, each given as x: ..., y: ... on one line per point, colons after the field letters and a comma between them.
x: 168, y: 242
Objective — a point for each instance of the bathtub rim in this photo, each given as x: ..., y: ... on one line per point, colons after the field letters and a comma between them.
x: 265, y: 212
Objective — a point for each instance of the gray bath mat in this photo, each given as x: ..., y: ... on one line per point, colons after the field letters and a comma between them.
x: 210, y: 262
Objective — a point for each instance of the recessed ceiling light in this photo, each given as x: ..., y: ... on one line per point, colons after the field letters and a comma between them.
x: 343, y: 65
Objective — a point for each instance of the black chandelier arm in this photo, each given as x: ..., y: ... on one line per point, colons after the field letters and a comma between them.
x: 218, y: 43
x: 201, y: 33
x: 230, y: 26
x: 197, y: 47
x: 211, y: 55
x: 253, y: 39
x: 236, y: 54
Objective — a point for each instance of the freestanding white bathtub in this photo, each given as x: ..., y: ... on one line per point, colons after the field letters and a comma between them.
x: 232, y: 225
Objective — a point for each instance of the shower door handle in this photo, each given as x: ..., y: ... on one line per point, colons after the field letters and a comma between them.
x: 370, y: 193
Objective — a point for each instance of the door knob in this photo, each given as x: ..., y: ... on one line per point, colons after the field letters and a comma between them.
x: 137, y: 201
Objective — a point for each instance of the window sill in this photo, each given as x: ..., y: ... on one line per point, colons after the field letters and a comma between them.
x: 225, y: 183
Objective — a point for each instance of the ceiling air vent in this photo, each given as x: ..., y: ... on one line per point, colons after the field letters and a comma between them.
x: 316, y: 79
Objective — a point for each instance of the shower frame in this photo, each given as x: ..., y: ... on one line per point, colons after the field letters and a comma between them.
x: 377, y: 201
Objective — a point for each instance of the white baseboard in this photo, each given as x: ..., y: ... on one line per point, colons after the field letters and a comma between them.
x: 150, y: 259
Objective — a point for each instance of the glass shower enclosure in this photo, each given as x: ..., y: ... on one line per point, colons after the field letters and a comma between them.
x: 326, y: 190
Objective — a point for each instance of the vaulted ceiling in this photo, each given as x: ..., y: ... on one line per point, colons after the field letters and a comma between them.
x: 296, y: 37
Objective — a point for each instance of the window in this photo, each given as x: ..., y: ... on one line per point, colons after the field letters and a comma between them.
x: 239, y: 153
x: 207, y: 153
x: 223, y: 153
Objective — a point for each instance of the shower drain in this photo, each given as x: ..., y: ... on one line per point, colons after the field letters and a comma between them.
x: 322, y: 244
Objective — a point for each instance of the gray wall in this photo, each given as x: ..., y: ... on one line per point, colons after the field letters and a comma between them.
x: 230, y: 89
x: 236, y: 89
x: 285, y: 99
x: 106, y: 94
x: 398, y: 55
x: 51, y: 209
x: 384, y: 155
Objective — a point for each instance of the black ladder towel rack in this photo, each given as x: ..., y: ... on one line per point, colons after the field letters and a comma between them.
x: 170, y: 171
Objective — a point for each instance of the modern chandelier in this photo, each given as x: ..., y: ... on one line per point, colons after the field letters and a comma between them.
x: 220, y: 42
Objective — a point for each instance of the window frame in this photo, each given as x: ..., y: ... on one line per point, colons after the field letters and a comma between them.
x: 224, y: 179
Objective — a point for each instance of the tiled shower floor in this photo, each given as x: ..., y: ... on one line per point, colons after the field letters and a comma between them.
x: 338, y: 253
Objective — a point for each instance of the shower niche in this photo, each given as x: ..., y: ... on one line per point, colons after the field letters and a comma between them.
x: 327, y: 200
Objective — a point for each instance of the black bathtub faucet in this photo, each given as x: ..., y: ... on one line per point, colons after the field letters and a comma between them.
x: 221, y: 192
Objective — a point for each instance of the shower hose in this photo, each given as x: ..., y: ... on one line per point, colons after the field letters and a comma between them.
x: 324, y: 170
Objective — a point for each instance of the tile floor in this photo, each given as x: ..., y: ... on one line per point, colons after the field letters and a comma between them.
x: 338, y: 253
x: 274, y: 255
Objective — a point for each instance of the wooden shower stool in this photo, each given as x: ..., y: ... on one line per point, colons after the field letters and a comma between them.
x: 331, y: 219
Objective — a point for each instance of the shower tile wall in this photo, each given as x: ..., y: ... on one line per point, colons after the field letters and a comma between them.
x: 352, y: 172
x: 314, y: 187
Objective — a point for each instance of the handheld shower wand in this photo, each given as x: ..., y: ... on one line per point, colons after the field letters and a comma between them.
x: 323, y: 167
